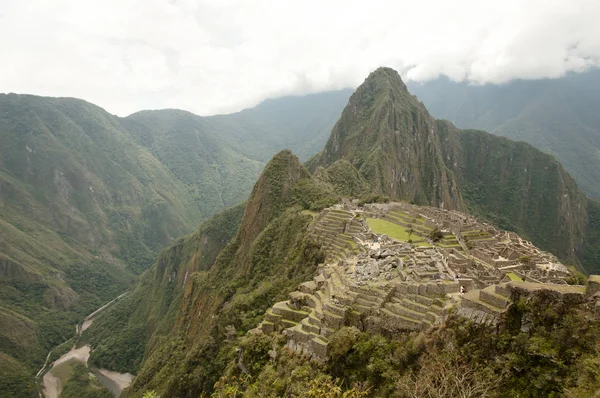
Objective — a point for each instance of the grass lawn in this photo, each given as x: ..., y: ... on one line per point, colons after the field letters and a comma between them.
x: 513, y: 276
x: 310, y: 213
x: 392, y: 230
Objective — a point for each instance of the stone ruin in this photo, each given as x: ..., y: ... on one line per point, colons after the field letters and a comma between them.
x: 376, y: 283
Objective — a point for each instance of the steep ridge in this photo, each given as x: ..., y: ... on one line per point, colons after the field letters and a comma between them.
x: 87, y: 199
x: 395, y: 145
x: 82, y: 209
x: 120, y: 336
x: 269, y: 255
x: 557, y: 116
x: 378, y: 280
x: 389, y: 137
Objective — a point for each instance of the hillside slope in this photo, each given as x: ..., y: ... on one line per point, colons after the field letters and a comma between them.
x: 557, y: 116
x: 82, y: 208
x: 403, y: 152
x: 220, y: 157
x: 87, y: 199
x: 268, y: 256
x: 373, y: 337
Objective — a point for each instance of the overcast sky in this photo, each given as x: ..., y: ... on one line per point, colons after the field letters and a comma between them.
x: 219, y: 56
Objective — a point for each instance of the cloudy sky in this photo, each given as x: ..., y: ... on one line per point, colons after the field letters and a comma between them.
x: 219, y: 56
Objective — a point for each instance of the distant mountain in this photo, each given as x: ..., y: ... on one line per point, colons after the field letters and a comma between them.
x: 87, y: 199
x: 557, y: 116
x: 220, y: 157
x: 389, y: 137
x: 82, y: 208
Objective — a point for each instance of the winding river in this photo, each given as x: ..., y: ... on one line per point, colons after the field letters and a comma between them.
x: 114, y: 381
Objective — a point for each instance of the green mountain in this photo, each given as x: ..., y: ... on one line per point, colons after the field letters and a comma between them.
x: 403, y: 152
x: 267, y: 257
x: 195, y: 323
x: 87, y: 199
x: 83, y: 208
x: 219, y: 157
x: 557, y: 116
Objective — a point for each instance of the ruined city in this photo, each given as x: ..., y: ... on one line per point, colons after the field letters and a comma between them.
x: 395, y: 267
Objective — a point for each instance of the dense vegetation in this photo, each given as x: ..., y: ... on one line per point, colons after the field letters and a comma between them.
x: 557, y: 116
x: 87, y: 199
x: 80, y: 384
x: 385, y: 145
x: 121, y: 334
x: 270, y: 254
x: 545, y: 348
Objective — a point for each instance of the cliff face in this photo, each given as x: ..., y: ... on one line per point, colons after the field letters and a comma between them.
x: 121, y: 335
x: 192, y: 307
x: 390, y: 138
x: 402, y: 152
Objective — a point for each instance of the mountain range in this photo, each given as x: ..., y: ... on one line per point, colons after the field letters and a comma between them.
x: 87, y: 199
x: 558, y: 116
x: 197, y: 321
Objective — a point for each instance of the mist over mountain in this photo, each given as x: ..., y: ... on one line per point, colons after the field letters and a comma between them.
x: 225, y: 323
x: 558, y: 116
x: 88, y: 200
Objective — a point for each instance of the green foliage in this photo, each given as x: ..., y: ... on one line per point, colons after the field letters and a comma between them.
x: 554, y: 115
x: 373, y: 198
x: 81, y: 384
x: 436, y: 235
x: 577, y: 278
x: 84, y: 193
x: 247, y: 278
x: 344, y: 179
x: 312, y: 196
x: 389, y: 137
x: 120, y: 334
x: 16, y: 379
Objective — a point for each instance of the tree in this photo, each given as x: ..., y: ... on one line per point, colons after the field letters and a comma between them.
x: 446, y: 375
x: 436, y: 235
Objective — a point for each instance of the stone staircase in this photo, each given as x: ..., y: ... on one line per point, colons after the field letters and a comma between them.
x: 335, y: 230
x: 485, y: 305
x: 330, y: 302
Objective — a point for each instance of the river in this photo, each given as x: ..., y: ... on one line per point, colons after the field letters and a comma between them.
x: 114, y: 381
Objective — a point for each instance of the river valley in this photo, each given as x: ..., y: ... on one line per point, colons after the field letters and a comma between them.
x: 51, y: 382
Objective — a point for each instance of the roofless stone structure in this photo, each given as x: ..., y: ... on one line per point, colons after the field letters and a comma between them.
x: 398, y: 267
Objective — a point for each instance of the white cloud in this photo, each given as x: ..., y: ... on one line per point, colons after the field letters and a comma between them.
x: 216, y: 56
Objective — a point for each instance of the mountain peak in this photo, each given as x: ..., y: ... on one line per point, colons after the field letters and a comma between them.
x: 384, y: 80
x: 272, y: 192
x: 385, y: 73
x: 389, y: 137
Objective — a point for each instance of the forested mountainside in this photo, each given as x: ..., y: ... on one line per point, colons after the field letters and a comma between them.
x: 400, y: 150
x: 270, y: 254
x: 557, y: 116
x: 203, y: 335
x: 87, y: 199
x: 83, y: 208
x: 384, y: 146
